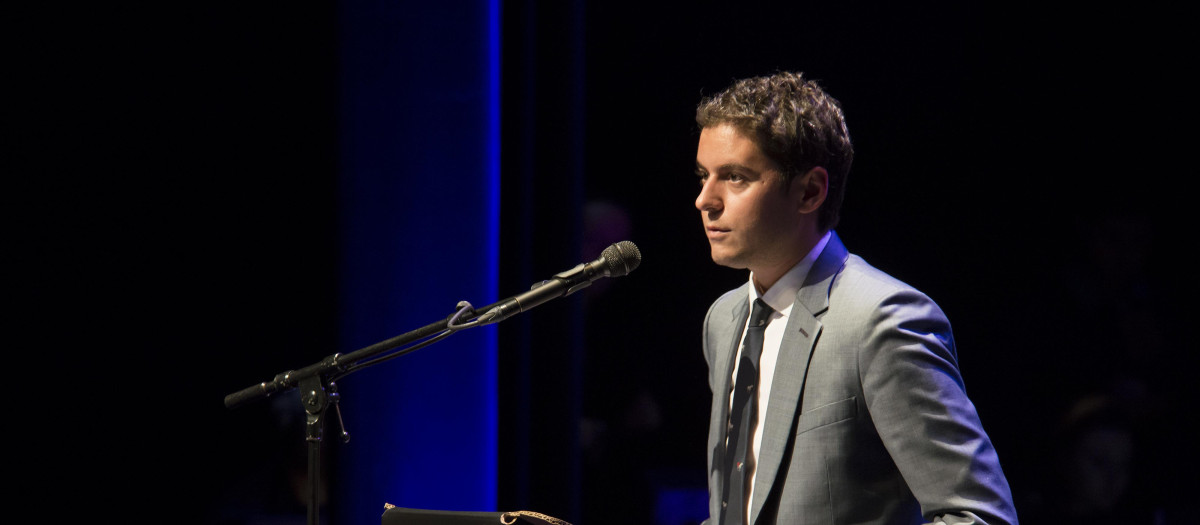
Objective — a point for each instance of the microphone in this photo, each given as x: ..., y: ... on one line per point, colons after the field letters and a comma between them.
x: 616, y: 260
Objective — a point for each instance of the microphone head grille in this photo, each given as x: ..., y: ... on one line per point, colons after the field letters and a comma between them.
x: 621, y: 258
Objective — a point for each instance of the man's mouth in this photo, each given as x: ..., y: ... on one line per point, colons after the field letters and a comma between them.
x: 714, y: 232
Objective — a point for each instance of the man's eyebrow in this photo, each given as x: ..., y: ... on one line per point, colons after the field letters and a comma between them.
x: 729, y: 167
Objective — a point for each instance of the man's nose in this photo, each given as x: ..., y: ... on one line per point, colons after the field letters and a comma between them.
x: 708, y: 199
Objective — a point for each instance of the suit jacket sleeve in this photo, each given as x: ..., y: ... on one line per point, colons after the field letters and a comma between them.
x: 916, y: 399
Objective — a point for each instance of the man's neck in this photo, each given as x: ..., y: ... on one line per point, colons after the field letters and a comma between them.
x: 764, y: 278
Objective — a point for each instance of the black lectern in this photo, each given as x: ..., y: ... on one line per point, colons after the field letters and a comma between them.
x: 402, y: 516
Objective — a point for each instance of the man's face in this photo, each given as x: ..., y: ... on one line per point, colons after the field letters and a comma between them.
x: 752, y: 220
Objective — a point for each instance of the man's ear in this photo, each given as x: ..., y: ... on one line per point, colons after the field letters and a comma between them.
x: 809, y: 190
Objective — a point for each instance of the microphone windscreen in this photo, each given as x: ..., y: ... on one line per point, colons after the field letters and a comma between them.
x: 621, y: 258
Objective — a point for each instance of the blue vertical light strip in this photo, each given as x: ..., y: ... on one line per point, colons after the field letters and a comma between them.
x: 419, y: 147
x: 493, y: 236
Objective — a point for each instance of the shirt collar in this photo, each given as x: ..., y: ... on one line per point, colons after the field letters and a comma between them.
x: 782, y: 294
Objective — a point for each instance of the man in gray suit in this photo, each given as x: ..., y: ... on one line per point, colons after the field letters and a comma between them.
x: 854, y: 412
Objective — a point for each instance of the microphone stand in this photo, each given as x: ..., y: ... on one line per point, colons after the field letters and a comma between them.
x: 318, y: 390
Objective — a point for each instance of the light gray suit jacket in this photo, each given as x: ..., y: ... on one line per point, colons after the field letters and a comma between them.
x: 868, y: 420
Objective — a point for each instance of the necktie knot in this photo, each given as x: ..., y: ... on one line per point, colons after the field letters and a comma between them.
x: 760, y: 313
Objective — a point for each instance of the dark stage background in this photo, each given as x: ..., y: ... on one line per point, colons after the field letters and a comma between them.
x: 1029, y: 167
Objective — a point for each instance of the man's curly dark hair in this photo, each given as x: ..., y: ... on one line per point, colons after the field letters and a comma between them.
x: 795, y: 123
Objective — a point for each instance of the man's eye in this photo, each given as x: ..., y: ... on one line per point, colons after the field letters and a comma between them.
x: 701, y: 178
x: 734, y: 177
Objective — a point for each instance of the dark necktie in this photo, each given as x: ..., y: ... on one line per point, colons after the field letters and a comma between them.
x: 743, y: 417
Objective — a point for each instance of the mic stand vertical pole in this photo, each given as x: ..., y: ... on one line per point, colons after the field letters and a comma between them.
x: 315, y: 401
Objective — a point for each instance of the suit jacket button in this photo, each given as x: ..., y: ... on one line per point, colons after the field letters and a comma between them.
x: 723, y: 504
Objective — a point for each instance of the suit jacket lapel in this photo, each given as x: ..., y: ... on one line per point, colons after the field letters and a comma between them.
x: 799, y: 337
x: 736, y: 316
x: 727, y: 341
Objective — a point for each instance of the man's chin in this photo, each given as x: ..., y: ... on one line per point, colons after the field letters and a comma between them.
x: 727, y: 260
